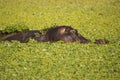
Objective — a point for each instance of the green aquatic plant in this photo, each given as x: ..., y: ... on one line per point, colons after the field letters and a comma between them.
x: 93, y: 19
x: 15, y: 28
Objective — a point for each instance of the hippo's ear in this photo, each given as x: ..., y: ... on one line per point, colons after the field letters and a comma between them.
x: 73, y: 31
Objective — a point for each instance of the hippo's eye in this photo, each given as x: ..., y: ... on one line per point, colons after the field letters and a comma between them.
x: 67, y: 30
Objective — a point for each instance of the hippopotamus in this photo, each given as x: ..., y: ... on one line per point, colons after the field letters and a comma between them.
x: 22, y: 36
x: 53, y: 34
x: 101, y: 41
x: 64, y: 33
